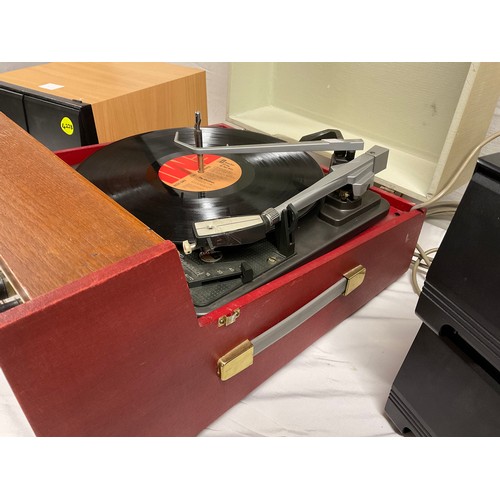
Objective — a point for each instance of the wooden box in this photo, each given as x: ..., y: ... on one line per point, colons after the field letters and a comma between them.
x: 430, y: 115
x: 66, y: 104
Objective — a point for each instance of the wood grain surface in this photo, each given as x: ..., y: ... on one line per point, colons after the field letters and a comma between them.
x: 55, y: 226
x: 127, y: 98
x: 92, y: 82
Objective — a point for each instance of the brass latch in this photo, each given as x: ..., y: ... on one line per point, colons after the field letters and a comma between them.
x: 235, y: 361
x: 354, y: 278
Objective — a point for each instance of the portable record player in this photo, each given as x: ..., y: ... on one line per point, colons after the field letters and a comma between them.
x: 119, y: 338
x: 209, y: 204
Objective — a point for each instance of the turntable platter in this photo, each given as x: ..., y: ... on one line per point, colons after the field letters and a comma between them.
x: 154, y: 179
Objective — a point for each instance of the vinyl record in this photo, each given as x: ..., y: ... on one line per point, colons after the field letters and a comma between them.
x: 159, y: 183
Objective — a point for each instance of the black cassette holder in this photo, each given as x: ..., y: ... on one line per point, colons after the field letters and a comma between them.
x: 449, y: 383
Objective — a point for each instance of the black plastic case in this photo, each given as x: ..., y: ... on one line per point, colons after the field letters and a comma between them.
x: 449, y: 383
x: 56, y: 122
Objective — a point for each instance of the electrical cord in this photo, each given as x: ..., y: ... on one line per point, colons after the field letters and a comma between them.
x: 422, y: 260
x: 457, y: 174
x: 442, y: 208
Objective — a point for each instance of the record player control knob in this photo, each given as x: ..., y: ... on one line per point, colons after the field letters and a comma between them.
x: 8, y: 296
x: 4, y: 292
x: 188, y: 247
x: 9, y: 303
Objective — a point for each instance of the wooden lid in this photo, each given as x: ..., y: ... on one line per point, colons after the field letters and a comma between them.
x: 55, y: 226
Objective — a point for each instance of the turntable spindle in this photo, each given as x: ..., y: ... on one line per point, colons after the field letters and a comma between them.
x: 198, y: 140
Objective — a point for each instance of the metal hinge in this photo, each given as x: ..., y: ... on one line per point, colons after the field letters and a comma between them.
x: 229, y: 319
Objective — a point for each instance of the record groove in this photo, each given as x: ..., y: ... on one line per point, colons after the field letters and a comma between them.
x: 128, y: 171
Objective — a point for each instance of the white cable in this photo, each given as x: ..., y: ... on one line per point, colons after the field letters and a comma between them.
x: 455, y: 177
x: 418, y: 264
x: 422, y: 257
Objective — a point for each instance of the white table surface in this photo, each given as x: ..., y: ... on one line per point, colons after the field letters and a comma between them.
x: 336, y: 387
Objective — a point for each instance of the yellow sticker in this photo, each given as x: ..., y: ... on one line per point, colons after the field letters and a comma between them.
x: 67, y: 126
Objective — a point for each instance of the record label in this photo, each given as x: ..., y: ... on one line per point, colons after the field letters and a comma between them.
x: 182, y: 173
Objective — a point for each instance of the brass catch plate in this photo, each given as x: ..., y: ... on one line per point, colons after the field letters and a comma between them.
x: 235, y: 361
x: 354, y: 278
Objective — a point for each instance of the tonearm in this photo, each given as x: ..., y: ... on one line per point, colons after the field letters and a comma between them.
x: 359, y: 174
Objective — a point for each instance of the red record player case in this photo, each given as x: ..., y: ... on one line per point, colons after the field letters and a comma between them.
x: 121, y: 352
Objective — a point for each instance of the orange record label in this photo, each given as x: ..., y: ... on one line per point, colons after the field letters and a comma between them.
x: 182, y: 173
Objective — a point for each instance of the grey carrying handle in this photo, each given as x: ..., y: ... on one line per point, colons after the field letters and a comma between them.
x: 241, y: 357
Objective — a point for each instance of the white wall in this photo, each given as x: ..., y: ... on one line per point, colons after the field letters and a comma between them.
x: 217, y: 94
x: 493, y: 146
x: 217, y: 88
x: 11, y: 66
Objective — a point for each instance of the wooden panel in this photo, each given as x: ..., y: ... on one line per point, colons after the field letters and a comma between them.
x: 95, y: 82
x: 126, y: 98
x: 167, y: 105
x: 55, y: 226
